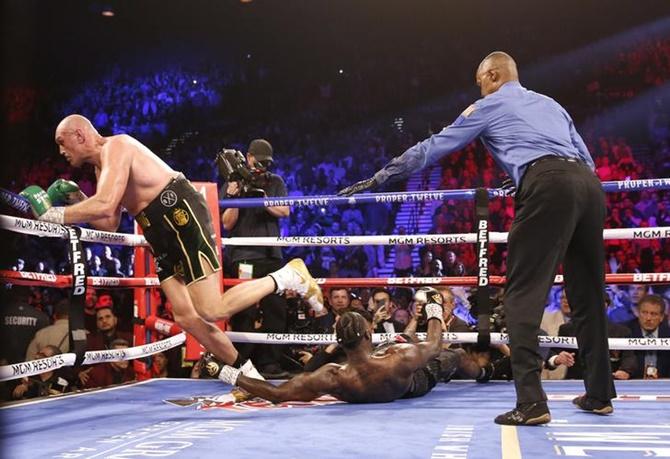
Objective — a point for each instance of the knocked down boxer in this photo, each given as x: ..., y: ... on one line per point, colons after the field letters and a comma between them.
x: 370, y: 375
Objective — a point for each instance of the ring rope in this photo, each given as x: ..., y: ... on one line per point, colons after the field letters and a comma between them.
x: 420, y: 196
x: 35, y: 367
x: 34, y: 227
x: 661, y: 232
x: 467, y: 281
x: 61, y: 281
x: 43, y: 229
x: 567, y: 342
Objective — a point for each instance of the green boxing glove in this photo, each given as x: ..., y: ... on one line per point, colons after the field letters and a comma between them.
x: 65, y: 192
x: 40, y: 203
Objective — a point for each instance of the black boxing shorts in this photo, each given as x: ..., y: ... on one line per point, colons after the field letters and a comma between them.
x: 423, y: 380
x: 178, y: 226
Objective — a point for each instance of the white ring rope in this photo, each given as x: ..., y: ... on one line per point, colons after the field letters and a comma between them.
x: 567, y: 342
x: 43, y: 229
x: 662, y: 232
x: 35, y: 367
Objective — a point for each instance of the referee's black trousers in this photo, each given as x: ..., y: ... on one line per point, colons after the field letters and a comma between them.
x: 559, y: 217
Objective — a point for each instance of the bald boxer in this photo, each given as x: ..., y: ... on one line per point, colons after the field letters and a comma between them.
x: 176, y: 222
x: 368, y: 376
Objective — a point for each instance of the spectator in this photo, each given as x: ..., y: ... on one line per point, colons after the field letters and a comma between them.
x: 451, y: 322
x: 452, y: 266
x: 553, y: 319
x: 57, y: 335
x: 96, y: 268
x: 400, y: 319
x: 109, y: 261
x: 426, y: 267
x: 338, y: 301
x: 159, y: 369
x: 382, y: 307
x: 650, y: 324
x: 625, y: 304
x: 106, y: 333
x: 402, y: 266
x: 108, y: 373
x: 43, y: 384
x: 355, y: 302
x: 19, y: 321
x: 624, y: 363
x: 20, y: 265
x: 116, y: 272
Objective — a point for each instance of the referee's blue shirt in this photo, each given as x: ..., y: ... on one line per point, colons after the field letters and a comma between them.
x: 516, y: 125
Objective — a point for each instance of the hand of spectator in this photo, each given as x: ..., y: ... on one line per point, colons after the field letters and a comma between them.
x: 304, y: 357
x: 382, y: 314
x: 233, y: 189
x: 84, y: 376
x: 21, y: 389
x: 620, y: 374
x: 357, y: 187
x: 565, y: 358
x: 288, y: 293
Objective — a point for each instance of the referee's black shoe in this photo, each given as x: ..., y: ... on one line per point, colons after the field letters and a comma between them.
x: 526, y: 414
x: 592, y: 405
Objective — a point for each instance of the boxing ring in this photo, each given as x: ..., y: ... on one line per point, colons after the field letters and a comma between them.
x: 199, y: 418
x: 452, y: 421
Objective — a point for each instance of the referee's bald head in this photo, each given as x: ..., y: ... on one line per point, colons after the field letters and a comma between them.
x: 495, y: 70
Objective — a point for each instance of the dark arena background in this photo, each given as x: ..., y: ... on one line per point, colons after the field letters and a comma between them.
x: 104, y: 364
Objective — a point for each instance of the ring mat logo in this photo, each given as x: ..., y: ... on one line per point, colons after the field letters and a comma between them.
x: 227, y: 402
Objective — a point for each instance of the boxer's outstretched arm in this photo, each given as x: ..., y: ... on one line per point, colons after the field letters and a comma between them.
x: 415, y: 356
x: 304, y: 387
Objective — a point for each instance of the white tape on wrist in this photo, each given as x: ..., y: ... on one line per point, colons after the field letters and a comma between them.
x: 433, y: 311
x: 53, y: 215
x: 229, y: 374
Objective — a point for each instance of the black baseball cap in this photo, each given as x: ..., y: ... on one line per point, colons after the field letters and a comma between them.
x: 261, y: 149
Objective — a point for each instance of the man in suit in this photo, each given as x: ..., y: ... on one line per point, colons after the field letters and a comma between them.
x: 651, y: 324
x: 624, y: 363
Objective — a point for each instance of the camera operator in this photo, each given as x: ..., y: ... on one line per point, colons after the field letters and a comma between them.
x: 250, y: 262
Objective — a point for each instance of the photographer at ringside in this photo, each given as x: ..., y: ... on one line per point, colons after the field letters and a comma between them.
x: 254, y: 179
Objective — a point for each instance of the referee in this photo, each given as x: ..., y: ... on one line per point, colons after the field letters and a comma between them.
x: 559, y: 216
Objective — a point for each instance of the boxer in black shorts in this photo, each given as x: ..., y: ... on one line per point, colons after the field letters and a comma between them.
x: 423, y: 380
x: 176, y: 222
x: 179, y: 228
x: 367, y: 376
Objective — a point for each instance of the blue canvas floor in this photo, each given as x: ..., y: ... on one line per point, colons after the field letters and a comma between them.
x: 453, y: 421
